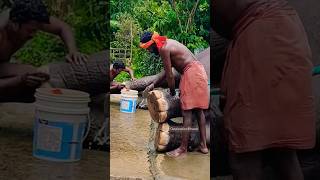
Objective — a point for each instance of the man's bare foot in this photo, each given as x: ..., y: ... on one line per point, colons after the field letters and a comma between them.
x: 177, y: 152
x: 203, y: 149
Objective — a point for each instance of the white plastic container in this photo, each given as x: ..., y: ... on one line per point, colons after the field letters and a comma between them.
x: 62, y: 117
x: 128, y: 102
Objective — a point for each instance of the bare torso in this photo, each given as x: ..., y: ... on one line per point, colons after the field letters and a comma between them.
x: 180, y: 55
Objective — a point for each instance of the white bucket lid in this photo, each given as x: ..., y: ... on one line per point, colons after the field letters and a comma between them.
x: 62, y: 110
x: 124, y: 96
x: 62, y: 95
x: 129, y: 92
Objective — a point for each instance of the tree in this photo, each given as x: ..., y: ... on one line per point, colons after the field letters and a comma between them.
x: 185, y: 21
x: 89, y: 21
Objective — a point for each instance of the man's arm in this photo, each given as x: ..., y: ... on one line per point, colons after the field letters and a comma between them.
x: 165, y: 56
x: 161, y: 77
x: 63, y: 30
x: 9, y: 85
x: 156, y: 82
x: 112, y: 87
x: 130, y: 71
x: 115, y: 85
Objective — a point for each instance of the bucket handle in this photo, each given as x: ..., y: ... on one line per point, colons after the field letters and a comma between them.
x: 87, y: 129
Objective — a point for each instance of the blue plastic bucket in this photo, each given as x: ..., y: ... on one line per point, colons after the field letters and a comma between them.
x: 60, y: 124
x: 128, y: 102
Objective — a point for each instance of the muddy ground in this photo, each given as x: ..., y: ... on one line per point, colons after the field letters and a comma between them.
x: 17, y: 162
x: 133, y: 155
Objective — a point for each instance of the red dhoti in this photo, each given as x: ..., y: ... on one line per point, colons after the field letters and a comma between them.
x: 194, y: 91
x: 267, y: 81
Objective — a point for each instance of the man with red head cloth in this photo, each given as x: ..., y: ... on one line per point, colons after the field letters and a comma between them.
x: 194, y: 92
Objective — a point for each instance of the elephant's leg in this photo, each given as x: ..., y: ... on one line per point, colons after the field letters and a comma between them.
x: 162, y: 106
x: 168, y: 136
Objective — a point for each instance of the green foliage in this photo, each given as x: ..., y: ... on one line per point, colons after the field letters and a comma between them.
x: 4, y: 4
x: 127, y: 28
x: 89, y: 22
x: 146, y: 64
x: 122, y: 77
x: 156, y: 16
x: 42, y: 49
x: 184, y: 21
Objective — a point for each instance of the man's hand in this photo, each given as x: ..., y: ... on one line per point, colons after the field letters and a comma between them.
x: 62, y: 29
x: 120, y: 86
x: 34, y: 80
x: 115, y: 85
x: 76, y: 58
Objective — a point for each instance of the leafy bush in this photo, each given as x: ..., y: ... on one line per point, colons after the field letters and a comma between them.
x: 146, y: 64
x: 184, y: 21
x: 122, y: 77
x: 42, y: 49
x: 89, y: 22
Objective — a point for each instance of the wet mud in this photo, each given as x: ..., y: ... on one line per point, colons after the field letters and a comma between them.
x: 17, y: 162
x: 133, y: 155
